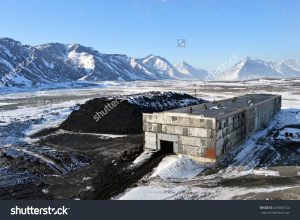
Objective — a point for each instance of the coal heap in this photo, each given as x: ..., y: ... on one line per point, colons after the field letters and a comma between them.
x: 123, y: 114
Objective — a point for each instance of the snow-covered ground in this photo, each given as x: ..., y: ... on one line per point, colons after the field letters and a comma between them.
x: 176, y: 177
x: 179, y: 177
x: 173, y: 179
x: 19, y: 123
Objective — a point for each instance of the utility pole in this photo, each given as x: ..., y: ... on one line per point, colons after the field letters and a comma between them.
x: 195, y: 89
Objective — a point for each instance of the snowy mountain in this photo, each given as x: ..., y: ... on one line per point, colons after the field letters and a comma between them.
x: 252, y: 68
x: 294, y: 64
x: 25, y: 66
x: 95, y: 66
x: 191, y: 72
x: 162, y: 67
x: 61, y: 63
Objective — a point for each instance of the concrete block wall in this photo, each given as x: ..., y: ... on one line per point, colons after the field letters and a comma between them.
x: 230, y: 132
x: 193, y: 136
x: 259, y: 116
x: 247, y: 122
x: 208, y: 138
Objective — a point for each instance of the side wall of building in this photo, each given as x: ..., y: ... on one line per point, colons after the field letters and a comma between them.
x: 193, y: 136
x: 235, y: 128
x: 230, y: 132
x: 259, y: 116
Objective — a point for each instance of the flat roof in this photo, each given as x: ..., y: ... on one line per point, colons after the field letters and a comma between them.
x: 223, y: 107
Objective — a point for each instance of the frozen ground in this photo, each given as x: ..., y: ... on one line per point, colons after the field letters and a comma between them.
x: 267, y: 166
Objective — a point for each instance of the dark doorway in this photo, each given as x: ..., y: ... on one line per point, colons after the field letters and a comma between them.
x: 167, y: 147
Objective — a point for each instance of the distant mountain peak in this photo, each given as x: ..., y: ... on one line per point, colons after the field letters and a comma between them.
x: 254, y: 68
x: 193, y: 73
x: 60, y: 63
x: 293, y: 63
x: 9, y: 41
x: 68, y: 63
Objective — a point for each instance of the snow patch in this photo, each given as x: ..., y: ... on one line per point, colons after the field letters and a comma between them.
x: 266, y: 173
x: 82, y: 60
x: 177, y: 167
x: 148, y: 193
x: 146, y: 155
x: 49, y: 65
x: 198, y: 193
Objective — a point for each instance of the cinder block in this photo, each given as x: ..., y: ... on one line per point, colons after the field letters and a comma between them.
x: 185, y: 122
x: 179, y: 130
x: 191, y: 141
x: 195, y: 122
x: 198, y: 132
x: 180, y: 149
x: 193, y: 151
x: 159, y: 128
x: 203, y: 143
x: 185, y: 131
x: 170, y: 129
x: 150, y: 140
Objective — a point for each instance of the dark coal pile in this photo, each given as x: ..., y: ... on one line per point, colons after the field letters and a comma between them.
x: 123, y: 115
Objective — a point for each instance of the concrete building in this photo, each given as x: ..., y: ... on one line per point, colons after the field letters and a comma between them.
x: 207, y: 131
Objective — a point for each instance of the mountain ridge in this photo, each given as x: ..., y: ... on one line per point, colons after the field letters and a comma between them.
x: 252, y: 68
x: 63, y: 63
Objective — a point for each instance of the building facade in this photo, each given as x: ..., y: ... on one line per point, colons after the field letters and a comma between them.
x: 207, y: 131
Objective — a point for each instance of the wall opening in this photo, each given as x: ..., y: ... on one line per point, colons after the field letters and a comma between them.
x: 167, y: 147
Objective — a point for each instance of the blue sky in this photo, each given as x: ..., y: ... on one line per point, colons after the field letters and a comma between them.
x: 214, y: 30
